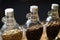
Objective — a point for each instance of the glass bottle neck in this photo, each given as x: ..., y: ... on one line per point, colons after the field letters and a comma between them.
x: 34, y: 17
x: 55, y: 14
x: 10, y: 22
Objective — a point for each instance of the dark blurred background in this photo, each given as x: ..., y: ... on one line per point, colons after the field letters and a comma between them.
x: 22, y: 7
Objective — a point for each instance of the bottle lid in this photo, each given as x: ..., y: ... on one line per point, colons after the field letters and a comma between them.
x: 54, y: 5
x: 33, y: 7
x: 8, y: 10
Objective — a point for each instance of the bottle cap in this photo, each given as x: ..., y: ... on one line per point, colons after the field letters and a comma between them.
x: 33, y: 7
x: 54, y: 6
x: 8, y: 10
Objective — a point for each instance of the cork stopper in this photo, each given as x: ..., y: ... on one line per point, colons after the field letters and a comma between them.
x: 33, y: 8
x: 8, y: 10
x: 54, y: 6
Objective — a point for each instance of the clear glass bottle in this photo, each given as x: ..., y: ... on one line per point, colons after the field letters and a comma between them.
x: 10, y: 29
x: 53, y: 22
x: 35, y: 29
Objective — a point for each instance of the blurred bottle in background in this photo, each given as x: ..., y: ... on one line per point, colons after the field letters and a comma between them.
x: 35, y: 29
x: 10, y: 27
x: 53, y: 22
